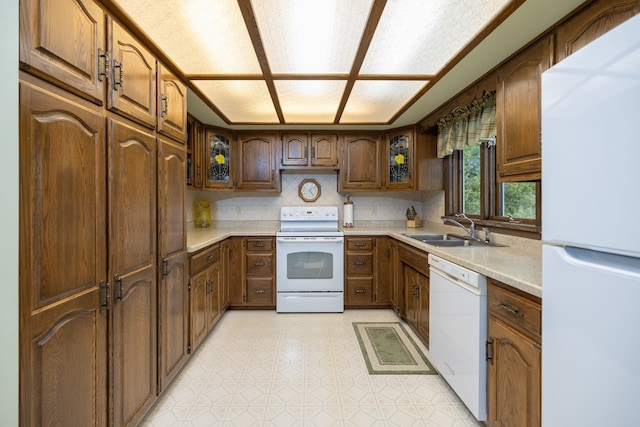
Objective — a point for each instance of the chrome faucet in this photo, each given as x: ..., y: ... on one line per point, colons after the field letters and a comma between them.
x: 472, y: 228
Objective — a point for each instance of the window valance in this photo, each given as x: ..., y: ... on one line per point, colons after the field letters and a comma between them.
x: 467, y: 126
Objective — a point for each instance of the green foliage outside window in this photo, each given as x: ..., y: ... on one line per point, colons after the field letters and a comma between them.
x: 471, y: 181
x: 519, y: 199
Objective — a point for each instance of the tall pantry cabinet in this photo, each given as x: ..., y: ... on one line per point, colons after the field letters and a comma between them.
x: 103, y: 290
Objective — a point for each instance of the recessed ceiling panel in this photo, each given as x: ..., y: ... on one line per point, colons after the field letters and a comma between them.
x: 311, y: 36
x: 310, y: 101
x: 242, y: 101
x: 377, y: 101
x: 200, y: 36
x: 420, y: 37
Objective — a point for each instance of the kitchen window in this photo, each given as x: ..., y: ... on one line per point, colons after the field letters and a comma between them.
x: 472, y: 188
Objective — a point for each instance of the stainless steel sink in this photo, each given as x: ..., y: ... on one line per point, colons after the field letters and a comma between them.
x: 433, y: 236
x: 449, y: 240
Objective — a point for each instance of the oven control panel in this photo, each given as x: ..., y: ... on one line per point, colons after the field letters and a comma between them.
x: 307, y: 213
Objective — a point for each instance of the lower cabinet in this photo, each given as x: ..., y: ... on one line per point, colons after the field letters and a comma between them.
x: 204, y: 294
x: 369, y: 271
x: 513, y: 357
x: 414, y: 278
x: 256, y: 288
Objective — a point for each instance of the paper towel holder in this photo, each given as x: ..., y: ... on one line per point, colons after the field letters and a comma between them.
x: 348, y: 213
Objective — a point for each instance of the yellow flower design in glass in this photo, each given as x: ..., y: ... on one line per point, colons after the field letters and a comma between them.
x: 399, y: 158
x: 220, y: 159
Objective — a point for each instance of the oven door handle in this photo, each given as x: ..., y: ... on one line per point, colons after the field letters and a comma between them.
x: 310, y: 239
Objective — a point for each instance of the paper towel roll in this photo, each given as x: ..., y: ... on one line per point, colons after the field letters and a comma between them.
x: 348, y: 215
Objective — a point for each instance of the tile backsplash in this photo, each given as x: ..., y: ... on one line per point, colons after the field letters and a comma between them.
x: 391, y: 206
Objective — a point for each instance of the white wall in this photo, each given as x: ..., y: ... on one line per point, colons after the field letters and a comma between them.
x: 368, y: 207
x: 9, y: 214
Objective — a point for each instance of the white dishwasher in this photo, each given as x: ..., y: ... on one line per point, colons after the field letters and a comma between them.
x: 458, y: 331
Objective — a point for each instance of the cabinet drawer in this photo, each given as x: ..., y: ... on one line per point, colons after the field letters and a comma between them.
x: 259, y: 265
x: 259, y: 245
x: 260, y: 291
x: 359, y: 291
x: 203, y: 259
x: 515, y: 309
x: 359, y: 264
x: 358, y: 244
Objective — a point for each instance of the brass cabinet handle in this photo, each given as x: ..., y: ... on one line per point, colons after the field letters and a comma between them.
x: 259, y: 291
x: 360, y: 263
x: 209, y: 257
x: 359, y: 244
x: 511, y: 309
x: 258, y: 264
x: 258, y: 244
x: 360, y: 291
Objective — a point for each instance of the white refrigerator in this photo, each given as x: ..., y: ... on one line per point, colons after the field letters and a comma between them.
x: 591, y: 234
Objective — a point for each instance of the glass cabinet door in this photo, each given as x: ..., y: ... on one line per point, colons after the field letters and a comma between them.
x: 400, y: 159
x: 218, y: 163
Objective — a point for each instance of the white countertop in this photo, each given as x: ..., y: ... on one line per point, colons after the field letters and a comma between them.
x: 518, y: 265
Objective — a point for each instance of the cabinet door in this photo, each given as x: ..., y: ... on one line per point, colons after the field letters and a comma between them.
x: 133, y: 247
x: 360, y: 169
x: 219, y: 164
x: 213, y: 295
x: 592, y: 22
x: 63, y: 40
x: 173, y: 298
x: 385, y: 271
x: 132, y: 88
x: 513, y: 378
x: 257, y: 164
x: 233, y: 272
x: 195, y: 151
x: 399, y: 160
x: 411, y: 294
x: 198, y: 293
x: 63, y: 253
x: 324, y: 150
x: 359, y: 291
x: 295, y: 149
x: 518, y: 111
x: 423, y: 307
x: 172, y: 105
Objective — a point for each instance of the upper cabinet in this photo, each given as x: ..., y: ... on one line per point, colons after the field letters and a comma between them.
x: 65, y: 43
x: 195, y: 138
x: 592, y: 22
x: 301, y: 150
x: 360, y: 162
x: 218, y: 161
x: 132, y: 88
x: 399, y: 160
x: 518, y: 101
x: 172, y: 105
x: 257, y: 169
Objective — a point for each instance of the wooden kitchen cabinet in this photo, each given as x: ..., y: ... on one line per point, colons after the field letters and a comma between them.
x: 360, y: 163
x: 204, y: 294
x: 309, y: 149
x: 50, y: 46
x: 399, y: 160
x: 132, y: 82
x: 414, y: 273
x: 369, y: 271
x: 219, y: 160
x: 518, y: 113
x: 195, y: 152
x: 257, y: 168
x: 172, y: 105
x: 230, y: 270
x: 133, y: 247
x: 513, y: 357
x: 590, y: 23
x: 173, y: 296
x: 257, y: 287
x: 63, y: 258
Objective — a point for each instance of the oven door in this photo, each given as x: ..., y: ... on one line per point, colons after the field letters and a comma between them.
x: 310, y: 264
